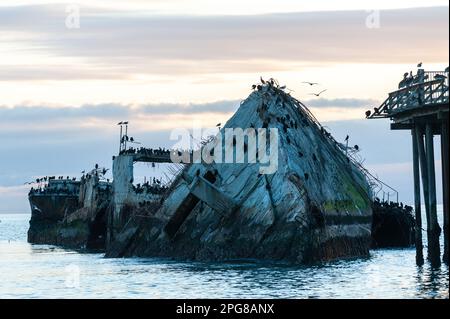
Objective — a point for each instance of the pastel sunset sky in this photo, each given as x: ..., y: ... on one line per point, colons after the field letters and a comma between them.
x: 163, y: 64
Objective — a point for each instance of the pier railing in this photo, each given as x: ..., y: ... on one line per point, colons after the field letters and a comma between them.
x: 425, y: 89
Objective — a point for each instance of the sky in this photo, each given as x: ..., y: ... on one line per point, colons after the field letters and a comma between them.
x: 168, y: 64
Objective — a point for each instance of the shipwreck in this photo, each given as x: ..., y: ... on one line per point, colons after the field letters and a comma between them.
x: 315, y: 206
x: 70, y: 212
x: 271, y: 184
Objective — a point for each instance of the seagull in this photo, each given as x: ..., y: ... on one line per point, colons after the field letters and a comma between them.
x: 125, y: 123
x: 419, y: 65
x: 120, y: 123
x: 368, y: 113
x: 311, y: 83
x: 318, y: 94
x: 262, y: 81
x: 218, y: 124
x: 346, y: 138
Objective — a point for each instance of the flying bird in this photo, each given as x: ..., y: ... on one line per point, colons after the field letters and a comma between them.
x: 311, y: 83
x: 318, y: 94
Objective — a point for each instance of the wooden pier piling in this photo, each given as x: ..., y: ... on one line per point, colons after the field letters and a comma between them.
x: 434, y: 253
x: 417, y: 209
x: 445, y: 186
x: 422, y: 106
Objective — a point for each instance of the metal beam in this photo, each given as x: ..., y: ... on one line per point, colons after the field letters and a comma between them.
x: 212, y: 196
x: 402, y: 126
x: 431, y: 111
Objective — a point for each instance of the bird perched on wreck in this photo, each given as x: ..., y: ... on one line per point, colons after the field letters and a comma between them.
x: 311, y: 83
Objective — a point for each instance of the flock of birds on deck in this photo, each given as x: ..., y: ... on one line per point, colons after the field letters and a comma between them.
x: 95, y: 172
x: 156, y: 187
x: 146, y: 151
x: 50, y: 178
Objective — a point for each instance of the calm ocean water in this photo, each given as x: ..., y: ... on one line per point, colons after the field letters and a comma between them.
x: 41, y: 271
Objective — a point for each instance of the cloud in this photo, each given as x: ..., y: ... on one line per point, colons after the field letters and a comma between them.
x: 125, y: 43
x: 39, y: 114
x: 341, y: 102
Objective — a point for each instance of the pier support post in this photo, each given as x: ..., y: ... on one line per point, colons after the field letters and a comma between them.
x: 424, y: 174
x: 417, y: 209
x: 433, y: 244
x: 445, y: 186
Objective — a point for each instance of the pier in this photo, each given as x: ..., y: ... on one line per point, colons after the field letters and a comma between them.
x: 421, y: 105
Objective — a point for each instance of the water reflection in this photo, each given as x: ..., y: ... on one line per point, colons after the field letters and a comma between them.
x: 34, y: 271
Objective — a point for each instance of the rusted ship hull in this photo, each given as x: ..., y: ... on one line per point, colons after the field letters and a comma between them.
x: 47, y: 211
